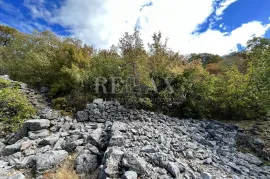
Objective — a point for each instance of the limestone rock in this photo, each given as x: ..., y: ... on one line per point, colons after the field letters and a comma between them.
x: 2, y: 146
x: 85, y: 163
x: 173, y: 169
x: 17, y: 176
x: 95, y: 136
x: 98, y: 101
x: 37, y: 124
x: 130, y: 175
x: 129, y: 143
x: 112, y: 160
x: 50, y: 159
x: 38, y: 134
x: 82, y: 116
x: 51, y: 140
x: 134, y: 162
x: 149, y: 149
x: 117, y: 140
x: 206, y: 175
x: 11, y: 149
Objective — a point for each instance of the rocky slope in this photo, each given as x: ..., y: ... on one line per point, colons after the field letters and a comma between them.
x: 110, y: 141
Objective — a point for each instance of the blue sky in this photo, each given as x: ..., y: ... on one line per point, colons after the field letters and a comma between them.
x: 192, y: 26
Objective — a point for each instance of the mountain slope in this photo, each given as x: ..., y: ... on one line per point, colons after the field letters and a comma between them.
x: 107, y: 140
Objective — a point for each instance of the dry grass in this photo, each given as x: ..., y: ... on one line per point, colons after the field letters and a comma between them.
x: 65, y: 171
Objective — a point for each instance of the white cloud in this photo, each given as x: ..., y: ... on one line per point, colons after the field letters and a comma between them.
x: 97, y: 22
x: 8, y: 7
x: 102, y: 23
x: 15, y: 18
x: 224, y: 5
x: 181, y: 22
x: 39, y: 9
x: 213, y: 41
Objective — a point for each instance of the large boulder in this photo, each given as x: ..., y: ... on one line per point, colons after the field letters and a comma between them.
x: 51, y: 140
x: 95, y: 137
x: 37, y: 124
x: 134, y: 162
x: 85, y: 163
x: 11, y: 149
x: 119, y: 127
x: 130, y: 175
x: 206, y: 175
x: 13, y: 138
x: 70, y: 145
x: 17, y: 176
x: 159, y: 159
x: 112, y: 161
x: 173, y: 169
x: 50, y: 159
x: 117, y: 140
x: 98, y: 101
x: 38, y: 134
x: 22, y: 162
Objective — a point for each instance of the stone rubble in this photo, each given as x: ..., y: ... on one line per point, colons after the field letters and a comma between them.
x: 127, y: 143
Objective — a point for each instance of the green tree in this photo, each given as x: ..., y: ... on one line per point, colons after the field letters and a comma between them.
x: 159, y: 57
x: 205, y: 58
x: 7, y: 35
x: 135, y: 57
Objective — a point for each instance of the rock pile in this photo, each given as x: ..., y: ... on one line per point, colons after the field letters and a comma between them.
x: 153, y: 145
x: 125, y: 143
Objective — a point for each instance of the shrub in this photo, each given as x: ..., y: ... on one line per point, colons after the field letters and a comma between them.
x: 146, y: 103
x: 77, y: 100
x: 14, y: 108
x: 59, y: 103
x: 4, y: 83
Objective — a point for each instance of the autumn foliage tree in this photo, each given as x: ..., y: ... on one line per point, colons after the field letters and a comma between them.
x: 235, y: 86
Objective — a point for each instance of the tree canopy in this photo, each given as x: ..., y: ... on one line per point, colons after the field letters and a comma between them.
x: 235, y: 86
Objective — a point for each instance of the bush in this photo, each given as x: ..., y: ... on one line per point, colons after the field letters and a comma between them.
x: 14, y: 108
x: 77, y: 100
x: 146, y: 103
x: 59, y: 103
x: 4, y: 83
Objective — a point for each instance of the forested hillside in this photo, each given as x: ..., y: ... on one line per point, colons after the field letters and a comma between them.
x: 236, y: 86
x: 114, y: 109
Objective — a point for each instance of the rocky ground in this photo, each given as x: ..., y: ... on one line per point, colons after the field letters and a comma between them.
x: 110, y: 141
x: 258, y: 129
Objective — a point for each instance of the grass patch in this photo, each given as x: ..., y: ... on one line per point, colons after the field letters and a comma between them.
x: 65, y: 171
